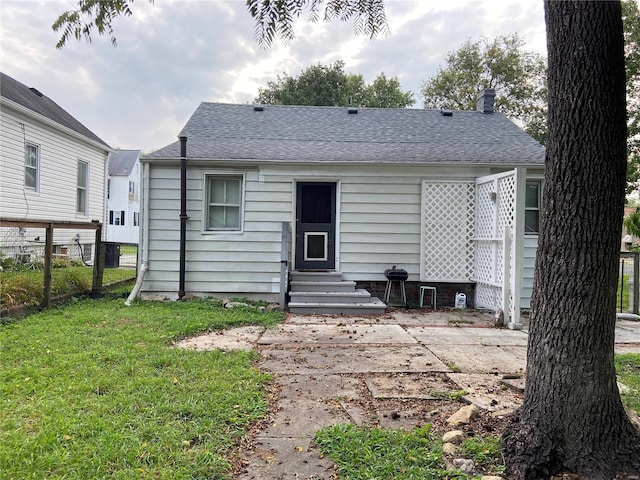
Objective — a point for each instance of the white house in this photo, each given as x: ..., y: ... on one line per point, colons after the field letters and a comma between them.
x: 452, y: 197
x: 122, y: 217
x: 52, y: 168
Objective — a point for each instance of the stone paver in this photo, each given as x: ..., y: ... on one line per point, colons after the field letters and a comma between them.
x: 413, y: 385
x: 336, y: 334
x: 351, y: 359
x: 242, y: 338
x: 481, y: 358
x: 467, y: 336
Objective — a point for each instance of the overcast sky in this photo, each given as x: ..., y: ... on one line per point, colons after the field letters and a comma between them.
x: 172, y: 55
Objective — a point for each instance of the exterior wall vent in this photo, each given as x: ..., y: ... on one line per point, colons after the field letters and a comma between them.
x: 353, y: 111
x: 446, y: 113
x: 36, y: 91
x: 258, y: 108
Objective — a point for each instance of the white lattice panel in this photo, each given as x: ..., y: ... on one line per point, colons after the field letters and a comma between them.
x: 448, y: 248
x: 506, y: 200
x: 485, y: 210
x: 495, y: 210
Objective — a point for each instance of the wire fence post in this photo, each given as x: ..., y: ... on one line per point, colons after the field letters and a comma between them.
x: 48, y: 255
x: 98, y: 264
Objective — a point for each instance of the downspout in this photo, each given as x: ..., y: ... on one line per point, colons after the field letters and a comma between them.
x: 183, y: 216
x: 143, y: 240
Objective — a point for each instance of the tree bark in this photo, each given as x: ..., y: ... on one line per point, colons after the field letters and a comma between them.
x: 572, y: 418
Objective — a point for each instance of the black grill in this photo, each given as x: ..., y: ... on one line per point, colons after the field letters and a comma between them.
x: 396, y: 273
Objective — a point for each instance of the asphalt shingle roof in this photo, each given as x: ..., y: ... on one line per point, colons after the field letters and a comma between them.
x: 279, y: 133
x: 121, y: 162
x: 35, y: 101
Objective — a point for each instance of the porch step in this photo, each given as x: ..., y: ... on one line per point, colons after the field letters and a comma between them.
x: 375, y: 306
x: 322, y: 286
x: 356, y: 296
x: 318, y: 292
x: 316, y: 276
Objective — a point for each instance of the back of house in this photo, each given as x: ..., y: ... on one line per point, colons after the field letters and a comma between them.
x: 271, y: 202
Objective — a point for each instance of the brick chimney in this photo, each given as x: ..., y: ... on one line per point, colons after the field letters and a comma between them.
x: 485, y: 100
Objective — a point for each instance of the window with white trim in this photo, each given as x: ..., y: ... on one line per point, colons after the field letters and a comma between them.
x: 532, y: 208
x: 82, y: 189
x: 223, y: 209
x: 31, y: 166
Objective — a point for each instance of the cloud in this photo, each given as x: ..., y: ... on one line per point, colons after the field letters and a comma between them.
x: 174, y: 54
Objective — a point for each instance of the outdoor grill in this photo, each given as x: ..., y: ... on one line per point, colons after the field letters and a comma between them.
x: 394, y: 274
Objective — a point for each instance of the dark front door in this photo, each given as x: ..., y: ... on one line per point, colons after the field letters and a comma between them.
x: 315, y: 226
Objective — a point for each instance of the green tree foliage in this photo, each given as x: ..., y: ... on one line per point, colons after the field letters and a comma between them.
x: 90, y: 14
x: 275, y: 18
x: 517, y: 75
x: 329, y: 85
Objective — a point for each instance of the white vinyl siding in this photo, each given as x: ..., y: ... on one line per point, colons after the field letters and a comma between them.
x: 228, y: 262
x: 56, y: 194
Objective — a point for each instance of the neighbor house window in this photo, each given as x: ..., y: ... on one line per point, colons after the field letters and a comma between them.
x: 532, y: 208
x: 82, y: 187
x: 136, y: 219
x: 132, y: 187
x: 31, y: 166
x: 224, y: 202
x: 116, y: 218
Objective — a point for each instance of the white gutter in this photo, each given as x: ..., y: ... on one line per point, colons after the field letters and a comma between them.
x: 144, y: 234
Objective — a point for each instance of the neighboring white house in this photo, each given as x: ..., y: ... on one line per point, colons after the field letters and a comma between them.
x: 453, y: 197
x: 122, y: 217
x: 52, y: 168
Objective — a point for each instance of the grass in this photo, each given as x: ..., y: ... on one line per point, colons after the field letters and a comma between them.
x: 26, y: 287
x: 628, y: 371
x: 622, y: 296
x: 94, y: 390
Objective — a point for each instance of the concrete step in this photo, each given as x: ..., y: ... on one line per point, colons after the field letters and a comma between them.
x: 357, y: 296
x: 311, y: 286
x: 375, y: 306
x: 315, y: 276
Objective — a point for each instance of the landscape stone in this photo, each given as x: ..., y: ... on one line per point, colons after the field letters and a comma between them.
x: 464, y: 464
x: 491, y: 477
x: 454, y: 436
x: 449, y: 448
x: 464, y: 416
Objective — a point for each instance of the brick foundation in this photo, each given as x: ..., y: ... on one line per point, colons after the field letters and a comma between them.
x: 446, y: 292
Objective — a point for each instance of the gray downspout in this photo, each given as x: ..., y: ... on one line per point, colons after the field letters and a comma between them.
x: 183, y: 216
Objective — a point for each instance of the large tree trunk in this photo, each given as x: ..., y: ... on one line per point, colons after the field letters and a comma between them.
x: 572, y: 418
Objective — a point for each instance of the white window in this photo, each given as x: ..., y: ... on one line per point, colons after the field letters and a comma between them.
x: 532, y: 208
x: 109, y: 188
x: 116, y: 218
x: 136, y: 219
x: 82, y: 196
x: 223, y: 210
x: 31, y: 166
x: 132, y: 187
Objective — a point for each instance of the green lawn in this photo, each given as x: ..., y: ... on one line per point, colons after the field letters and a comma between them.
x: 94, y: 390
